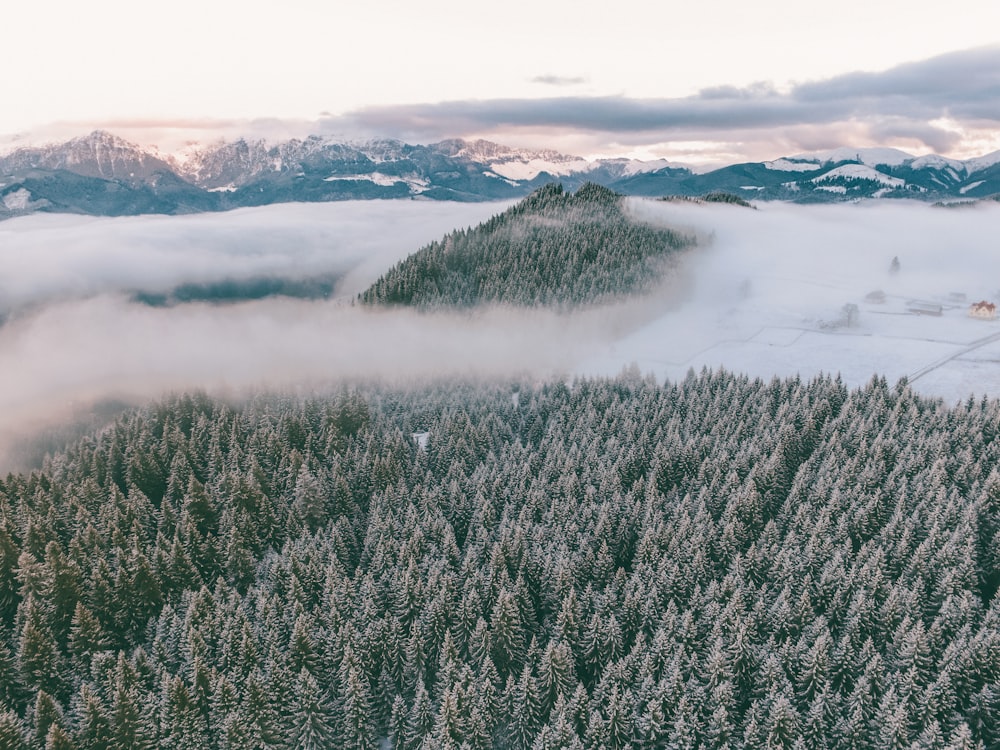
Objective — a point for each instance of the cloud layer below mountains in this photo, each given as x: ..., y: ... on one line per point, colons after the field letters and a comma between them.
x: 45, y: 258
x: 761, y: 295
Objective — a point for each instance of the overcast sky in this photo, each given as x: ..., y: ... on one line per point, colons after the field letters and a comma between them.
x: 715, y: 80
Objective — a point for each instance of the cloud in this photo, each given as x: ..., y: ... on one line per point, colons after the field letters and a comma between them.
x: 45, y: 258
x: 78, y: 338
x: 949, y: 104
x: 71, y: 346
x: 554, y: 80
x: 901, y: 102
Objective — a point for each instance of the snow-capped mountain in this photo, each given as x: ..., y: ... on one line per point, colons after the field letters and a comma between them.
x: 99, y: 154
x: 103, y: 174
x: 871, y: 157
x: 836, y: 175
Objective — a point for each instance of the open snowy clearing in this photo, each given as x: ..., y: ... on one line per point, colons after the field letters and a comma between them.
x: 768, y: 296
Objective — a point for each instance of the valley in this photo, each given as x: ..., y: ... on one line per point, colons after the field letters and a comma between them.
x: 93, y: 311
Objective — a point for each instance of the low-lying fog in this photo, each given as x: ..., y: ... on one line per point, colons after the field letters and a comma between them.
x: 792, y: 289
x: 766, y: 295
x: 47, y: 258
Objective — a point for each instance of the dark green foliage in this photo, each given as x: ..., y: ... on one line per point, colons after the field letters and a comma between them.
x: 720, y: 197
x: 715, y: 563
x: 241, y: 290
x: 552, y: 248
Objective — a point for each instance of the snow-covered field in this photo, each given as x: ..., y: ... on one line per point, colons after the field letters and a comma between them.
x: 768, y: 295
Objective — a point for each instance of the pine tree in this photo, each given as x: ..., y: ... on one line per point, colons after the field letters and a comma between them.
x: 559, y: 733
x: 45, y: 714
x: 58, y: 739
x: 684, y: 729
x: 93, y: 722
x: 39, y: 661
x: 448, y: 729
x: 556, y: 675
x: 507, y: 634
x: 182, y: 724
x: 309, y: 503
x: 961, y: 739
x: 12, y: 734
x: 86, y: 635
x: 397, y: 723
x: 522, y: 709
x: 720, y: 729
x: 12, y: 690
x: 782, y: 724
x: 129, y: 726
x: 421, y: 719
x: 312, y: 720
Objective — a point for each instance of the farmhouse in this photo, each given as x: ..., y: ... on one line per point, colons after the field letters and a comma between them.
x: 983, y: 310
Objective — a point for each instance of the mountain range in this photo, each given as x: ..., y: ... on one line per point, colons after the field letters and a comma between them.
x: 105, y: 175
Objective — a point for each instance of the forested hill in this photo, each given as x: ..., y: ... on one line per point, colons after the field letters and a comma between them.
x: 716, y: 563
x: 552, y: 248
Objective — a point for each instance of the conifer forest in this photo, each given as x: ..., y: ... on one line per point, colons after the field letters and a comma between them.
x: 553, y: 248
x: 598, y: 563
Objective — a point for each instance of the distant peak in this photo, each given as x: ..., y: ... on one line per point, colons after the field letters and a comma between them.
x: 486, y: 152
x: 868, y: 156
x: 104, y: 137
x: 460, y: 147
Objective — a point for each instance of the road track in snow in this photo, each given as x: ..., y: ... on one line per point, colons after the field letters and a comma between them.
x: 954, y: 355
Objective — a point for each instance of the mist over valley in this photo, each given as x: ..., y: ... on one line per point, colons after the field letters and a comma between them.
x: 128, y: 309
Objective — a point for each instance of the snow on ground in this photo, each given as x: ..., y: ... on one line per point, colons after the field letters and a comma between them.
x: 933, y: 161
x: 870, y: 156
x: 531, y: 168
x: 970, y: 186
x: 415, y: 183
x: 18, y: 200
x: 767, y: 297
x: 786, y: 165
x: 653, y: 165
x: 982, y: 162
x: 859, y: 172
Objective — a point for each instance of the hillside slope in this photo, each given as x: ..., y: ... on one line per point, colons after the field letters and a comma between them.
x: 552, y: 248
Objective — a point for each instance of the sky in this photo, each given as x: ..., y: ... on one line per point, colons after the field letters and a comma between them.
x: 718, y: 80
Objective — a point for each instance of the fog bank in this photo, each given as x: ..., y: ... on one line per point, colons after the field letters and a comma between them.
x: 51, y: 258
x: 764, y: 295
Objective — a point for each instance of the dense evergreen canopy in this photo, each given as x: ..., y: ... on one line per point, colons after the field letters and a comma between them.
x: 720, y: 562
x: 552, y: 248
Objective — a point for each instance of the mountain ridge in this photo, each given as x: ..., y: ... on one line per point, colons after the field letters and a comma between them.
x: 104, y: 174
